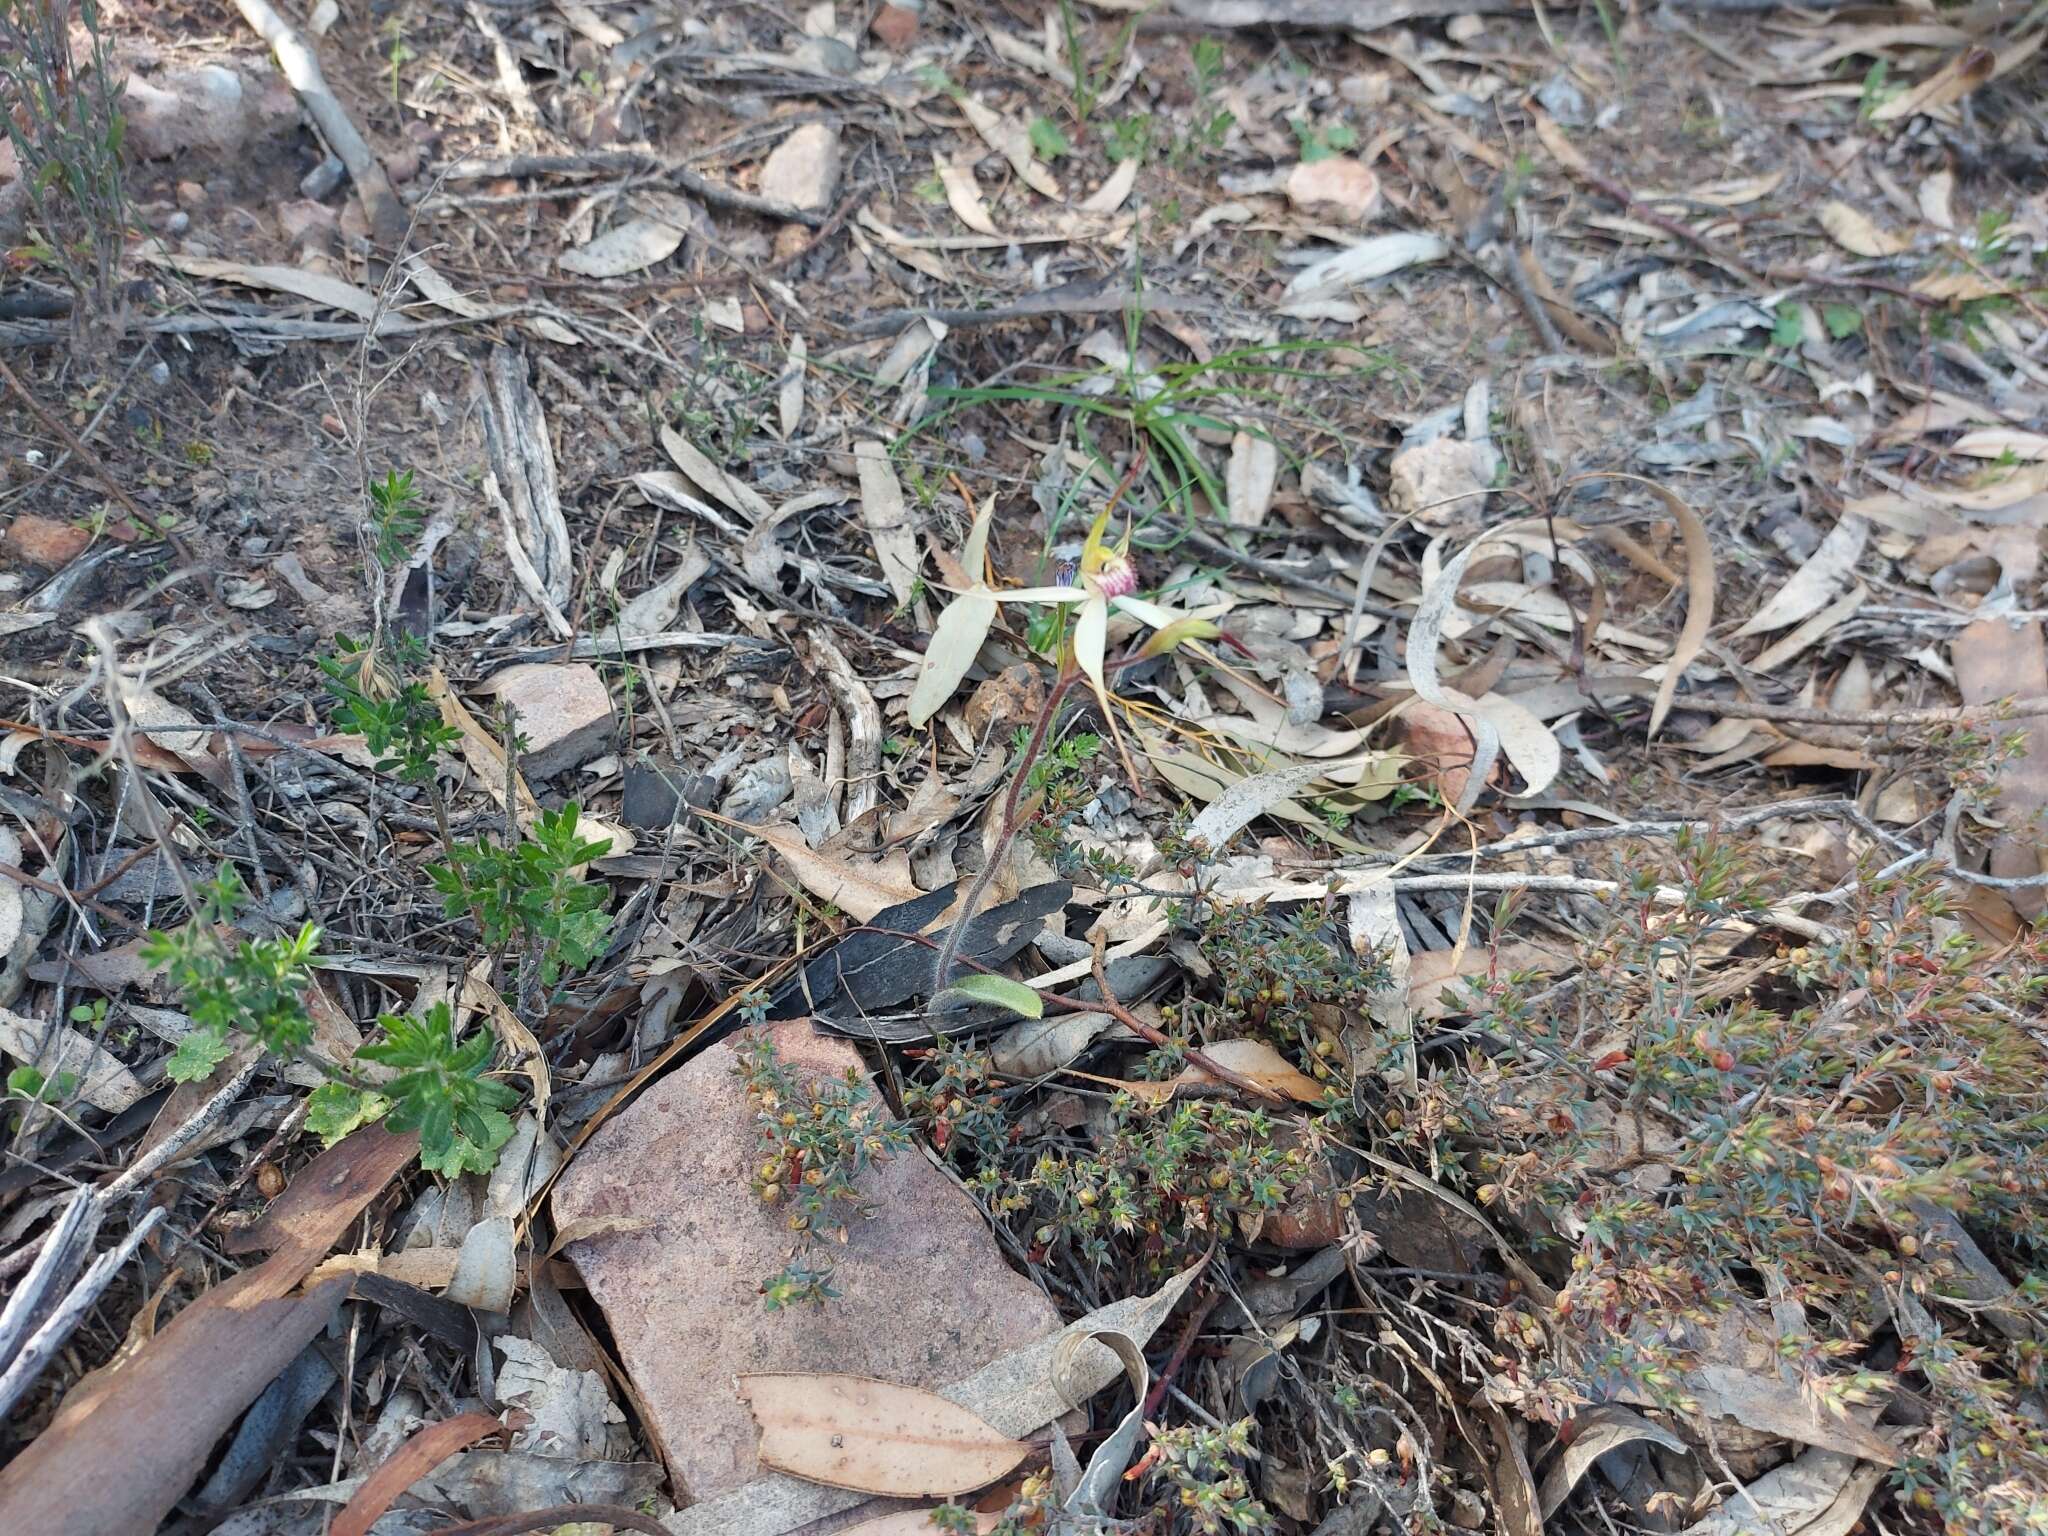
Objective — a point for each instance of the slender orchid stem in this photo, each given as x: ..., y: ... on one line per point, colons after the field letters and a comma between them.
x: 949, y: 951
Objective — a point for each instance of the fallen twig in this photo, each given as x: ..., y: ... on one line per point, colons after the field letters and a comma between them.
x: 1108, y: 1004
x: 1096, y: 297
x: 92, y: 461
x: 302, y: 69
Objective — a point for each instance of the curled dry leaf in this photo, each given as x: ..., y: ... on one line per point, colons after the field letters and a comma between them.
x: 1319, y: 291
x: 1253, y: 1060
x: 963, y: 195
x: 629, y: 247
x: 1233, y: 810
x: 1109, y: 197
x: 1035, y: 1047
x: 1498, y: 724
x: 1600, y: 1429
x: 1699, y: 594
x: 875, y: 1436
x: 1856, y: 234
x: 169, y: 727
x: 859, y: 887
x: 1013, y: 143
x: 1824, y: 574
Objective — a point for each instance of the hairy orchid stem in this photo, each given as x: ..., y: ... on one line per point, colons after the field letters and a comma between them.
x: 1034, y: 747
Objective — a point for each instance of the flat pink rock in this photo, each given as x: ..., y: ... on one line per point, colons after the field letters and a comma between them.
x: 926, y: 1298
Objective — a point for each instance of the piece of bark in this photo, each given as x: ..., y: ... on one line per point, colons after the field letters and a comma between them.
x: 1995, y: 659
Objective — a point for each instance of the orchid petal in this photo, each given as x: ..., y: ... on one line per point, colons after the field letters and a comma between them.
x: 1177, y: 633
x: 1044, y: 595
x: 1150, y: 613
x: 1091, y: 644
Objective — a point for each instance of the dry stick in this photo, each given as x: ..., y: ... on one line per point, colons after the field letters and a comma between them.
x: 1138, y: 1026
x: 44, y: 1343
x: 302, y: 69
x: 78, y: 898
x: 1867, y: 719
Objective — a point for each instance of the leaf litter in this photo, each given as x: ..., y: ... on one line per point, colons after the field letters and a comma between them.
x: 1267, y: 648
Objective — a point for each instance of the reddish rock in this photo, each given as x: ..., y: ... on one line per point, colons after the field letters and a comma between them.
x: 925, y: 1299
x: 304, y: 222
x: 1338, y: 186
x: 565, y: 713
x: 45, y: 541
x: 894, y: 26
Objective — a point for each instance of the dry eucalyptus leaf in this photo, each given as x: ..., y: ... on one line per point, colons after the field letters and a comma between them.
x: 860, y: 887
x: 1013, y: 143
x: 12, y: 912
x: 963, y: 194
x: 1823, y: 575
x: 103, y: 1081
x: 1109, y: 197
x: 875, y: 1436
x: 789, y: 399
x: 1253, y: 472
x: 1234, y: 810
x: 1018, y: 1394
x: 1600, y: 1429
x: 888, y: 520
x: 632, y: 246
x: 1253, y: 1060
x: 1038, y: 1046
x: 1856, y: 234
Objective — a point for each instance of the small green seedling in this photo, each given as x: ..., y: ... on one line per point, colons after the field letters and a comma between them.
x: 529, y: 892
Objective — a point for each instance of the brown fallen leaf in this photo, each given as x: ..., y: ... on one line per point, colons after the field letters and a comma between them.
x: 859, y: 887
x: 405, y: 1466
x: 1855, y: 233
x: 1252, y: 1059
x: 1437, y: 977
x: 1440, y: 742
x: 874, y: 1436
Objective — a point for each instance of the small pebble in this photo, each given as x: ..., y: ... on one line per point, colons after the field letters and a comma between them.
x: 178, y: 223
x: 159, y: 373
x: 323, y: 178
